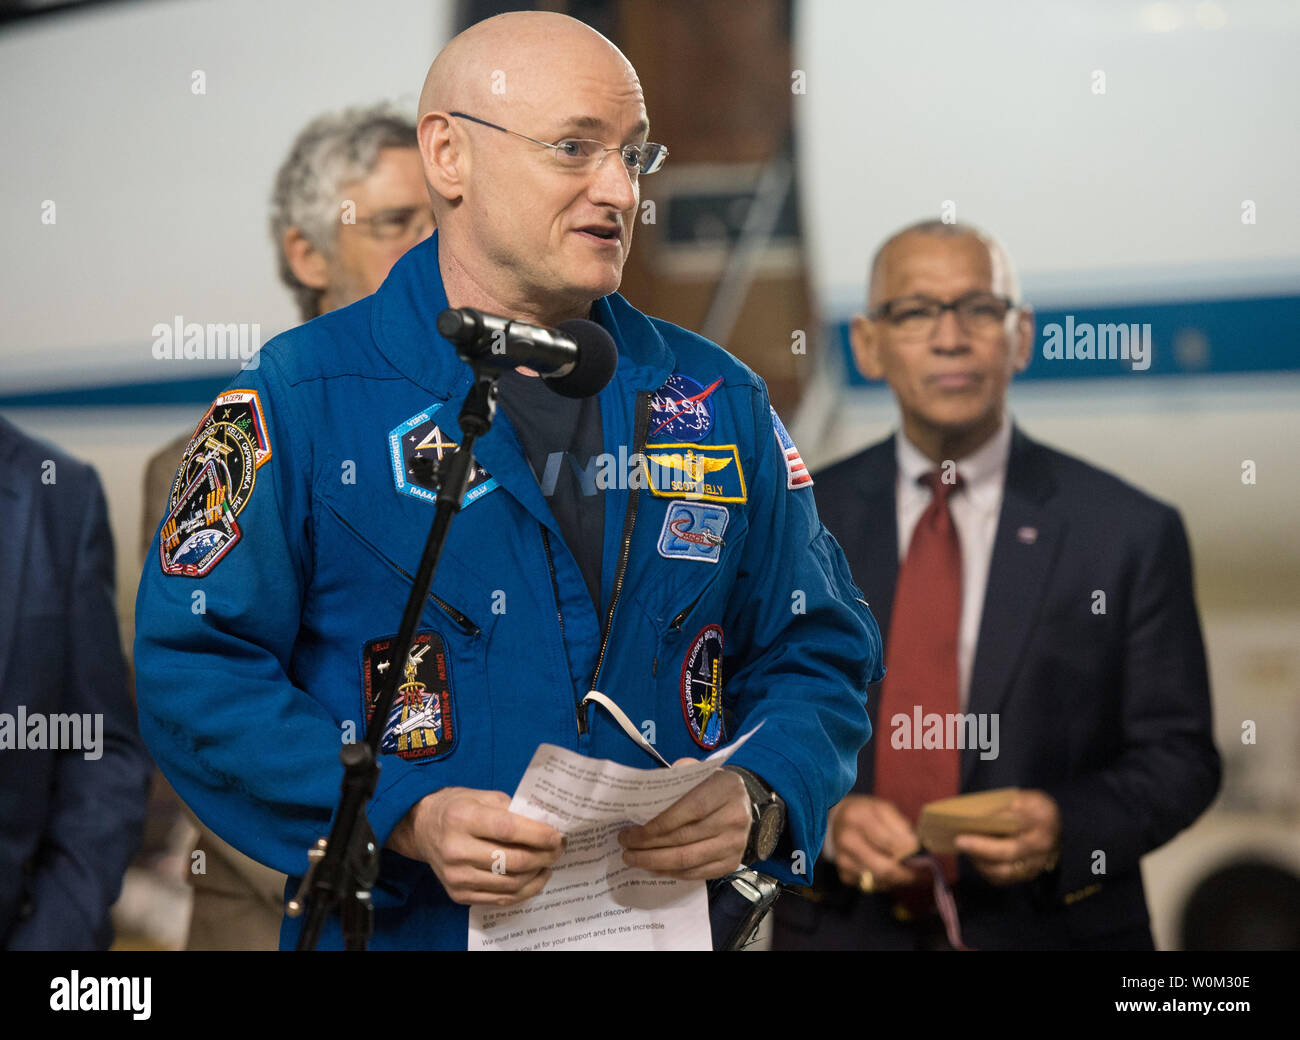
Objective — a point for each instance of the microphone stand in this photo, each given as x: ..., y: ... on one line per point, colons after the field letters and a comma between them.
x: 344, y: 867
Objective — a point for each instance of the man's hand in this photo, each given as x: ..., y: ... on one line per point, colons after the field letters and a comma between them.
x: 870, y: 834
x: 1024, y: 855
x: 700, y: 836
x: 480, y: 851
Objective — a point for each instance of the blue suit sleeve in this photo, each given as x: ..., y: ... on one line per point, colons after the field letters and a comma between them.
x: 254, y: 755
x: 806, y: 647
x: 97, y: 806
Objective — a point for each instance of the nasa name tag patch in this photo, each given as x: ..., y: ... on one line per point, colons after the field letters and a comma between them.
x: 693, y: 531
x: 421, y: 725
x: 702, y: 688
x: 419, y: 438
x: 200, y: 529
x: 700, y: 472
x: 796, y: 472
x: 682, y: 409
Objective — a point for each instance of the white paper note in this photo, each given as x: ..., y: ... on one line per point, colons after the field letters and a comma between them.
x: 593, y: 901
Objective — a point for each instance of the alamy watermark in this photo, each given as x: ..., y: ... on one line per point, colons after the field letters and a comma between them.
x: 603, y: 472
x: 671, y: 469
x: 1085, y: 341
x: 37, y: 731
x: 215, y: 341
x: 130, y: 993
x: 932, y: 731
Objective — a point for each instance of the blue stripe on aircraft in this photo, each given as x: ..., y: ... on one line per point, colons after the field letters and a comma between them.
x: 1187, y: 338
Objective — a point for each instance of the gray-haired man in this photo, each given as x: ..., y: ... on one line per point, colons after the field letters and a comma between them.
x: 348, y: 201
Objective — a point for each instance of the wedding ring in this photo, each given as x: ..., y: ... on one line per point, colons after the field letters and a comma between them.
x: 867, y: 881
x: 1018, y: 868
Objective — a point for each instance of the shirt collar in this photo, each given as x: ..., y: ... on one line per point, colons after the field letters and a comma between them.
x: 912, y: 462
x: 983, y: 472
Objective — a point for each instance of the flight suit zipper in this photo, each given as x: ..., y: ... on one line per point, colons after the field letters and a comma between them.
x: 629, y: 522
x: 676, y: 624
x: 559, y: 614
x: 465, y: 624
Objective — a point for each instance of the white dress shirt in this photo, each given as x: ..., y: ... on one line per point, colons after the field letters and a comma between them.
x: 974, y: 507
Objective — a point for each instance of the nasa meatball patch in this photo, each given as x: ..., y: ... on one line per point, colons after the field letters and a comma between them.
x: 682, y: 409
x: 702, y: 688
x: 421, y: 725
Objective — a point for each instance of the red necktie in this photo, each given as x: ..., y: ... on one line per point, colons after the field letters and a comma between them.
x: 921, y: 665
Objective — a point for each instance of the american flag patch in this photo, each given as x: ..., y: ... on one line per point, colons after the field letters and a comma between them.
x: 796, y: 473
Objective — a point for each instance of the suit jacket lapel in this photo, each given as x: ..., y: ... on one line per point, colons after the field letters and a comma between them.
x: 15, y: 516
x: 878, y: 557
x: 1024, y: 552
x: 873, y: 559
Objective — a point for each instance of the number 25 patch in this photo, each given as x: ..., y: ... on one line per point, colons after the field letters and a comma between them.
x: 693, y: 531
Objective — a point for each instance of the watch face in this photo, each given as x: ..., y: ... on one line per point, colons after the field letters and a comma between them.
x: 770, y: 825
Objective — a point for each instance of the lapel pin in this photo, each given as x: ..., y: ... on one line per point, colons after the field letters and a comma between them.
x: 1027, y: 535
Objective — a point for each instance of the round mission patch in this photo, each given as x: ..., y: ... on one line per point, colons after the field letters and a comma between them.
x: 682, y: 409
x: 701, y: 687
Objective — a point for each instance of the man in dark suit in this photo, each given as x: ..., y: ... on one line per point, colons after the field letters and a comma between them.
x: 1044, y: 604
x: 73, y: 771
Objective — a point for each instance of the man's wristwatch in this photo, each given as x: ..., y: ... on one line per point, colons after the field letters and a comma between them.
x: 767, y: 822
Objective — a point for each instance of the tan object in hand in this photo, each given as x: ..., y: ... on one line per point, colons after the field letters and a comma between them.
x: 981, y: 812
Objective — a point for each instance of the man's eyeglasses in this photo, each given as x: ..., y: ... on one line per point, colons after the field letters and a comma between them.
x: 400, y: 222
x: 978, y: 313
x: 576, y: 153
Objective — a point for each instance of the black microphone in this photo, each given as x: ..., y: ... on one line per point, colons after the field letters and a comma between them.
x: 577, y: 359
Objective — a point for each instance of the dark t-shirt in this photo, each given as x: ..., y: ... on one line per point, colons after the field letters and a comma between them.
x: 562, y: 439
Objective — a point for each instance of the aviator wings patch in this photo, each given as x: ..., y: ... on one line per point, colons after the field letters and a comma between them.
x: 700, y: 472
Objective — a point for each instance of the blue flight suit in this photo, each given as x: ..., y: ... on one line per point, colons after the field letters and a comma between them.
x: 263, y: 618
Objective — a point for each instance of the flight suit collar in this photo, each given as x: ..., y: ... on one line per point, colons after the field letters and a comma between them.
x: 404, y: 324
x: 404, y: 327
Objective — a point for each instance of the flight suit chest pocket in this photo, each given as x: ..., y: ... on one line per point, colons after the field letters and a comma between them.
x: 698, y: 556
x: 441, y: 709
x: 695, y: 557
x: 441, y: 702
x: 423, y: 717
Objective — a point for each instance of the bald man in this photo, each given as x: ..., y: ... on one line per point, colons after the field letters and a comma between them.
x: 701, y: 594
x: 1045, y: 604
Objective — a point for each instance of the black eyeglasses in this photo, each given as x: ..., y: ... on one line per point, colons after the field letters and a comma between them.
x: 398, y: 223
x: 977, y: 313
x: 576, y: 153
